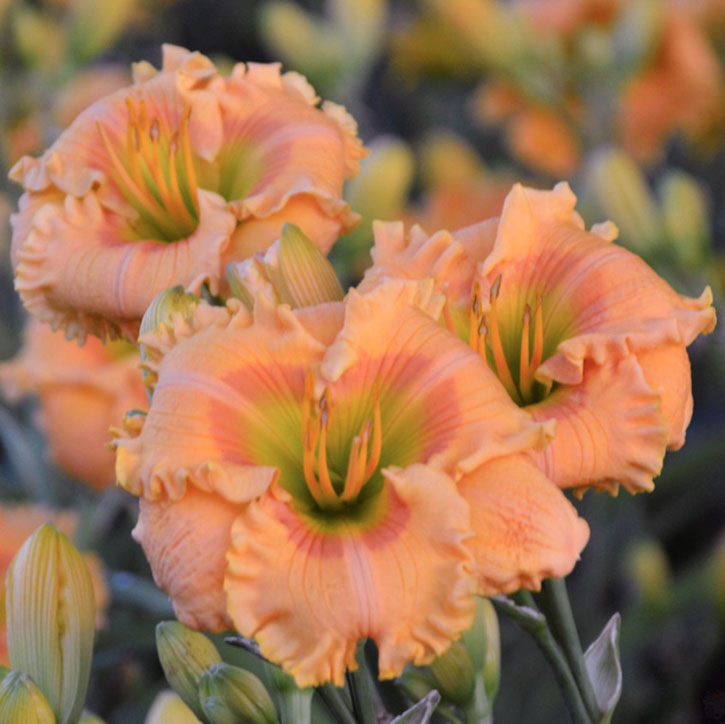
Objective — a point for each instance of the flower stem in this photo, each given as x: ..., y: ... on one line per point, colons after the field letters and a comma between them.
x: 527, y: 615
x: 362, y: 690
x: 557, y: 607
x: 335, y: 702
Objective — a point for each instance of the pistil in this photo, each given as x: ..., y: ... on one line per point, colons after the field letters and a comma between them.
x: 158, y: 177
x: 363, y: 459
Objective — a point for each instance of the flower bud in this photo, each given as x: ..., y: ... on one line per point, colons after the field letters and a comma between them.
x: 230, y: 695
x: 618, y: 189
x: 4, y: 671
x: 51, y: 619
x: 453, y: 674
x: 185, y: 656
x: 94, y: 26
x: 88, y: 717
x: 175, y: 300
x: 637, y: 33
x: 448, y: 160
x: 416, y: 683
x: 168, y: 708
x: 22, y: 702
x: 684, y: 212
x: 647, y: 565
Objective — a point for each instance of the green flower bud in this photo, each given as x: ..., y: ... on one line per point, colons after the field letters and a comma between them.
x: 638, y: 33
x: 448, y: 160
x: 185, y: 656
x: 453, y: 674
x: 94, y: 26
x: 169, y: 708
x: 236, y: 284
x: 684, y: 211
x: 617, y: 188
x: 416, y: 683
x: 22, y: 702
x: 51, y: 619
x: 230, y: 695
x: 88, y: 717
x: 647, y: 564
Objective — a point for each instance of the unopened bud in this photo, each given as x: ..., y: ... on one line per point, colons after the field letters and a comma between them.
x: 88, y: 717
x: 185, y: 656
x: 453, y: 674
x: 51, y: 619
x: 618, y: 189
x: 235, y: 281
x: 647, y: 565
x: 637, y: 33
x: 448, y: 160
x: 94, y: 26
x: 230, y: 695
x: 169, y: 708
x: 685, y: 216
x: 165, y: 306
x: 22, y: 702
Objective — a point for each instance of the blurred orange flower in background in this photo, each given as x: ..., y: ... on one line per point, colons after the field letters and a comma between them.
x: 82, y: 392
x: 167, y: 181
x: 19, y: 522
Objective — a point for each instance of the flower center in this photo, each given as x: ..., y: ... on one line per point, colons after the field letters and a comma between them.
x: 526, y: 351
x: 155, y: 172
x: 363, y: 458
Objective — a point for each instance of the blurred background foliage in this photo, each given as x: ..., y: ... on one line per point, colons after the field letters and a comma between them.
x: 457, y: 99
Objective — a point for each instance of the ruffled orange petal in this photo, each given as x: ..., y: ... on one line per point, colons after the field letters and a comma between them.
x: 526, y: 529
x: 449, y: 259
x: 441, y: 404
x: 185, y: 542
x: 667, y: 371
x: 308, y: 595
x: 610, y: 430
x: 81, y: 241
x: 226, y: 412
x: 603, y: 301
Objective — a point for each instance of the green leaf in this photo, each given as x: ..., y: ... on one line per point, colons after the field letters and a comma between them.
x: 604, y: 668
x: 421, y: 712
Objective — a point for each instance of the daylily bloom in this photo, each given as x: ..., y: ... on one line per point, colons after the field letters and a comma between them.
x: 82, y: 391
x: 578, y: 330
x: 19, y: 522
x: 320, y: 475
x: 168, y: 180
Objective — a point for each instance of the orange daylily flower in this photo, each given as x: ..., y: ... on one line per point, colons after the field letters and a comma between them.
x: 341, y: 471
x: 578, y: 330
x: 19, y: 522
x: 82, y: 391
x: 168, y: 180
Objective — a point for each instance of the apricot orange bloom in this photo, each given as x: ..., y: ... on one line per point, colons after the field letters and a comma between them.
x: 166, y: 181
x: 578, y: 330
x: 82, y: 392
x: 320, y: 475
x: 17, y: 523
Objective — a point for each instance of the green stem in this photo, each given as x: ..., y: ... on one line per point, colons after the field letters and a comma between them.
x: 561, y: 621
x: 363, y: 693
x: 335, y: 702
x: 527, y: 615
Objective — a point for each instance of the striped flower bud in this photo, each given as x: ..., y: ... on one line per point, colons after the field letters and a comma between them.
x: 51, y: 619
x: 230, y: 695
x: 22, y: 702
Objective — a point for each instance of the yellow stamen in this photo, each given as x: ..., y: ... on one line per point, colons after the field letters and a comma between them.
x: 538, y: 352
x: 525, y: 370
x: 474, y: 317
x: 499, y: 358
x: 323, y: 472
x: 377, y: 444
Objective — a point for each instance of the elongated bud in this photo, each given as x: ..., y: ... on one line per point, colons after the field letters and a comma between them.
x: 647, y: 565
x: 185, y: 656
x: 51, y: 619
x: 416, y: 683
x: 94, y: 26
x: 230, y: 695
x: 305, y: 274
x: 22, y: 702
x: 637, y: 33
x: 88, y: 717
x: 685, y: 216
x: 236, y: 284
x: 169, y: 708
x: 618, y: 189
x: 453, y: 674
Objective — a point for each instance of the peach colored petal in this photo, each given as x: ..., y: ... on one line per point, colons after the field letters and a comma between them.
x: 308, y: 595
x: 229, y: 386
x: 449, y: 259
x: 76, y: 270
x: 526, y: 529
x: 436, y: 394
x: 605, y: 301
x: 82, y: 391
x: 610, y: 430
x: 185, y: 542
x: 667, y: 371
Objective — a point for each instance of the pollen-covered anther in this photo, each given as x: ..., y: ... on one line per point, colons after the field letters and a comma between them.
x: 362, y: 461
x: 155, y: 172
